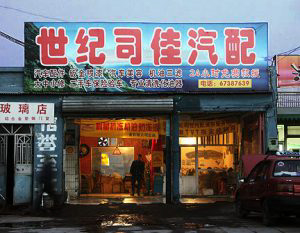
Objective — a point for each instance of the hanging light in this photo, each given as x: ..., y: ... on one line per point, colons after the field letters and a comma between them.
x: 116, y: 151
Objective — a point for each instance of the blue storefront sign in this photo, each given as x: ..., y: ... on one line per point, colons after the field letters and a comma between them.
x: 146, y: 57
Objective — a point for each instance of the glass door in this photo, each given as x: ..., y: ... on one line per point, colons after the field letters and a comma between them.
x: 189, y: 170
x: 215, y: 164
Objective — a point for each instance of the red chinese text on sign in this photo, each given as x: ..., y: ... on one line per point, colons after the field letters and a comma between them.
x: 42, y: 109
x: 5, y: 108
x: 202, y: 40
x: 166, y: 47
x: 52, y: 46
x: 129, y: 44
x: 248, y: 59
x: 87, y: 51
x: 237, y: 43
x: 24, y: 108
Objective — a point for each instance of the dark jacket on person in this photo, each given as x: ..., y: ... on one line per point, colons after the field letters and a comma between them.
x: 46, y: 178
x: 137, y: 168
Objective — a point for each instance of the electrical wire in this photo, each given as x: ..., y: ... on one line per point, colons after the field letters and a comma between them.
x: 8, y: 37
x: 30, y: 13
x: 21, y: 43
x: 287, y: 53
x: 14, y: 40
x: 62, y: 20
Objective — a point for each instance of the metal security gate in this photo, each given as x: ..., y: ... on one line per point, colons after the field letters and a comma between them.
x: 16, y: 163
x: 23, y: 169
x: 78, y: 105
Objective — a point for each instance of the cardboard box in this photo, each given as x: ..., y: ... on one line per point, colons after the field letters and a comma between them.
x: 107, y: 188
x: 117, y: 188
x: 127, y: 186
x: 117, y: 185
x: 106, y: 184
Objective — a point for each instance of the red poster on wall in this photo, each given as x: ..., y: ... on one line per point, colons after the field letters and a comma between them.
x: 288, y: 73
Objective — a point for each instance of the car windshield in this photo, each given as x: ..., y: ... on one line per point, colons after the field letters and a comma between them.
x: 287, y: 168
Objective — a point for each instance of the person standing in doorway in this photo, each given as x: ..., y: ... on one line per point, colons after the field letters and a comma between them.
x: 47, y: 177
x: 47, y: 191
x: 137, y: 171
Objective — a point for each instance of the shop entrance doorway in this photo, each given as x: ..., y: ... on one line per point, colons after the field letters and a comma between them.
x: 107, y: 149
x: 207, y: 170
x: 209, y: 159
x: 217, y: 173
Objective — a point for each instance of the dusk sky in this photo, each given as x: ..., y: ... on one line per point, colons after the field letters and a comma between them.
x: 282, y: 17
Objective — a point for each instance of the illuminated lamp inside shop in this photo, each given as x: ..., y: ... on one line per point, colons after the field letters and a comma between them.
x: 187, y: 140
x: 116, y: 151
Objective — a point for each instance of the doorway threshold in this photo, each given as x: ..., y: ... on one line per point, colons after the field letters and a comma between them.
x: 98, y: 199
x: 199, y: 199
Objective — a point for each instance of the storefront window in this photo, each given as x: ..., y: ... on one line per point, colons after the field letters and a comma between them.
x: 215, y: 157
x: 293, y: 130
x: 280, y: 129
x: 293, y: 144
x: 188, y: 161
x: 215, y: 170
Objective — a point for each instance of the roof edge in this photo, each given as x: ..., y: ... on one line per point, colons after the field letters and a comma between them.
x: 11, y: 69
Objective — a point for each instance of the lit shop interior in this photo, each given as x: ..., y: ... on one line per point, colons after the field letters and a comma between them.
x: 211, y: 161
x: 210, y: 150
x: 108, y: 147
x: 289, y: 137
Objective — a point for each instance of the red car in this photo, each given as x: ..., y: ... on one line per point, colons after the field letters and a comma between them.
x: 272, y: 187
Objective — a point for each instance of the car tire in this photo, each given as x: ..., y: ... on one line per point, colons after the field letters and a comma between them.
x: 239, y: 209
x: 268, y: 218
